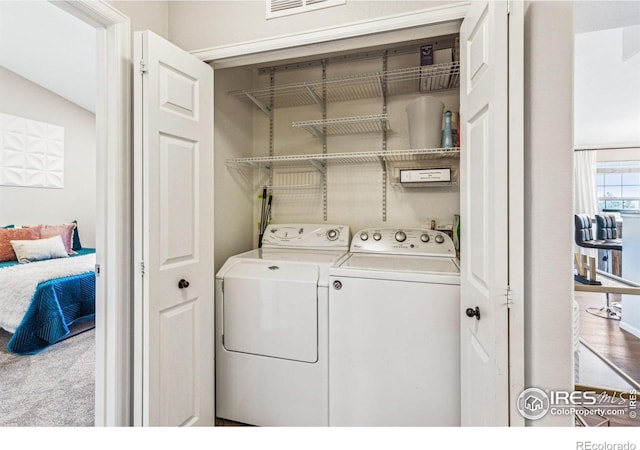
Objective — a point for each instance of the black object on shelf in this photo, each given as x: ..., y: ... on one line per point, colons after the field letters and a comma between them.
x: 584, y: 280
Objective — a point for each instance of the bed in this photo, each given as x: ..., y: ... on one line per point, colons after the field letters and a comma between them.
x: 41, y: 301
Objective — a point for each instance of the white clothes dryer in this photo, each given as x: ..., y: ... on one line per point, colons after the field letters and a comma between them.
x: 272, y: 327
x: 394, y: 331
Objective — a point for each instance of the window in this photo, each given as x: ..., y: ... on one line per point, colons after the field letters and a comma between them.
x: 618, y: 185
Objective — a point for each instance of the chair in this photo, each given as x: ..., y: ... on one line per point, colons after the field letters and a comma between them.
x: 608, y: 231
x: 606, y: 240
x: 584, y: 231
x: 584, y: 236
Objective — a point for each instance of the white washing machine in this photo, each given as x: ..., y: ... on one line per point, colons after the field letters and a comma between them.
x: 394, y: 331
x: 271, y: 327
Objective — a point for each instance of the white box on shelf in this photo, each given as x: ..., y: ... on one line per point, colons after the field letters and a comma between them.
x: 425, y: 175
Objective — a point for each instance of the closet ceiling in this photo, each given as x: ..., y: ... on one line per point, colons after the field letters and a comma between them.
x: 51, y: 48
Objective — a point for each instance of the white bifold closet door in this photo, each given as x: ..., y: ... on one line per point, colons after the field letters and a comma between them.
x: 484, y: 202
x: 174, y: 320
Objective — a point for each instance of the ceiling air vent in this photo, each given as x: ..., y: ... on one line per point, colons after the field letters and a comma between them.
x: 279, y: 8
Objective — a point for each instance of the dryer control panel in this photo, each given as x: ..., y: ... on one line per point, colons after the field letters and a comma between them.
x: 403, y: 241
x: 309, y: 236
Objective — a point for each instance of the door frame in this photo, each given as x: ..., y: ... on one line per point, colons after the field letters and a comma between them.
x: 113, y: 209
x: 516, y: 223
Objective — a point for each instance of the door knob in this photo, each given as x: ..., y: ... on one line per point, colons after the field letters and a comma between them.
x: 337, y: 285
x: 183, y: 284
x: 473, y: 312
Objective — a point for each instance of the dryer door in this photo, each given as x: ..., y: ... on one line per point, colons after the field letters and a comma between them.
x: 271, y: 309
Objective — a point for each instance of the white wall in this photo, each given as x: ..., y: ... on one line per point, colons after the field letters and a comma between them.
x: 146, y: 15
x: 194, y: 25
x: 625, y: 154
x: 630, y: 321
x: 607, y: 89
x: 548, y: 198
x: 607, y: 73
x: 233, y: 196
x: 26, y: 206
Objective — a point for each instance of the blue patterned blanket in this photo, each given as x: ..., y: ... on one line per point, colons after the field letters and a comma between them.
x: 56, y: 305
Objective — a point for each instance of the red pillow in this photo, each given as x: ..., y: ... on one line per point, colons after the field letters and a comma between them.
x: 65, y: 231
x: 14, y: 234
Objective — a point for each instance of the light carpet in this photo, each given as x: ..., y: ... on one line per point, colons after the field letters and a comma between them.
x: 54, y: 388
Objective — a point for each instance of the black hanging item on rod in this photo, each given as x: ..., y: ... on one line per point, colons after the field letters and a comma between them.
x: 265, y: 213
x: 268, y: 214
x: 262, y: 212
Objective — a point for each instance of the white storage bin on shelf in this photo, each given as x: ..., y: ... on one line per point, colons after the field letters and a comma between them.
x: 424, y: 116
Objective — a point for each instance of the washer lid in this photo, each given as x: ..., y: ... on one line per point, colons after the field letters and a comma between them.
x: 271, y: 310
x: 322, y: 260
x: 390, y: 263
x: 266, y: 271
x: 320, y: 257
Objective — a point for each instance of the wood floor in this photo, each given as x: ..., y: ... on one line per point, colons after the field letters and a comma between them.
x: 606, y: 338
x: 229, y: 423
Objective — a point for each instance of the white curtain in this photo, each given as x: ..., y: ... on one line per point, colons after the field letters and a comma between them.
x: 585, y: 196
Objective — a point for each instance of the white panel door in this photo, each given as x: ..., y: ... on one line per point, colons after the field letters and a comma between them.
x: 173, y: 129
x: 484, y: 215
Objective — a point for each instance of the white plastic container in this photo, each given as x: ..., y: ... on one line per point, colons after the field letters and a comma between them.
x: 425, y: 122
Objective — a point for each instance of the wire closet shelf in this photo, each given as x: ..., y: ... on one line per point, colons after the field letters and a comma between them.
x: 321, y: 160
x: 345, y: 125
x: 398, y: 81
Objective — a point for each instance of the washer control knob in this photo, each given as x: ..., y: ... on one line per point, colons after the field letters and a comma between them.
x: 401, y: 236
x: 332, y: 234
x: 377, y: 236
x: 439, y: 238
x: 364, y: 236
x: 424, y: 237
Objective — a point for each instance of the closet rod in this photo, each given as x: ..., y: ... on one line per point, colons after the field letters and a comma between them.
x: 621, y: 147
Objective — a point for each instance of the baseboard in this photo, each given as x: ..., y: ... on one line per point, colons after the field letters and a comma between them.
x: 613, y: 366
x: 629, y: 329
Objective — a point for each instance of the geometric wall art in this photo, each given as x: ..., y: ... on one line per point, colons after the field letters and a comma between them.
x: 31, y: 153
